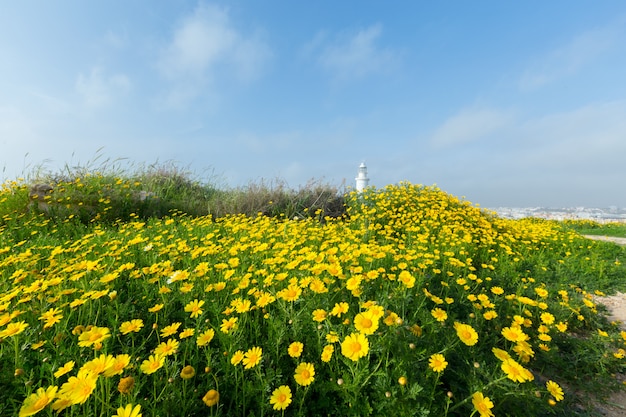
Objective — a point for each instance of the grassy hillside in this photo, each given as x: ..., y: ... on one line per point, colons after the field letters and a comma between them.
x: 404, y: 301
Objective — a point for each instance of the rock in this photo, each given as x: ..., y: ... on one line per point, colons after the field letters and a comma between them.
x: 37, y: 196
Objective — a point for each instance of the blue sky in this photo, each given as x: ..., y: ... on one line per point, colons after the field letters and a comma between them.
x: 501, y: 103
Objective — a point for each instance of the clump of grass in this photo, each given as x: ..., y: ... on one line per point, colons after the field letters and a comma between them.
x: 276, y: 199
x: 109, y: 191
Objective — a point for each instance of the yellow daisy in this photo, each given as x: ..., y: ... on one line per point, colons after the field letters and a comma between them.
x: 281, y: 397
x: 304, y: 374
x: 252, y: 357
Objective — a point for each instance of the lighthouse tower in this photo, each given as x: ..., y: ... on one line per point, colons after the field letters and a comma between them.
x: 361, y: 178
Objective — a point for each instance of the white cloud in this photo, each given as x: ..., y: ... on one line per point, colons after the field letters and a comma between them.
x: 566, y: 158
x: 206, y: 40
x: 589, y: 139
x: 352, y: 56
x: 99, y: 89
x: 573, y: 56
x: 202, y: 39
x: 471, y: 124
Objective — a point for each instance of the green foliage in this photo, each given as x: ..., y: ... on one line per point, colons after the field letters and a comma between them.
x: 398, y: 254
x: 589, y: 227
x: 109, y: 193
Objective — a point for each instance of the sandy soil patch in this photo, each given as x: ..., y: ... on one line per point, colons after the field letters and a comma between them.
x: 616, y: 305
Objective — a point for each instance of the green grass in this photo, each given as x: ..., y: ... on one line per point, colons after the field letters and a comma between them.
x: 95, y: 256
x: 588, y: 227
x: 108, y: 192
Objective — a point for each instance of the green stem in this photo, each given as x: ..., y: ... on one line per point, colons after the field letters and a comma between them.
x: 372, y: 373
x: 16, y: 347
x: 302, y: 399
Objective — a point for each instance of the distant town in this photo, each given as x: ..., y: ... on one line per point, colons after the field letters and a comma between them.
x: 600, y: 215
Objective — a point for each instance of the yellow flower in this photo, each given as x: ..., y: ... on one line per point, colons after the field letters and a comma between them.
x: 497, y: 290
x: 37, y: 401
x: 211, y: 398
x: 131, y: 326
x: 407, y: 279
x: 228, y: 325
x: 437, y: 362
x: 265, y: 299
x: 516, y: 372
x: 94, y: 336
x: 152, y: 364
x: 490, y: 315
x: 355, y: 346
x: 241, y: 306
x: 366, y: 323
x: 466, y: 333
x: 392, y: 319
x: 252, y: 357
x: 439, y: 314
x: 339, y: 309
x: 51, y: 317
x: 482, y: 404
x: 13, y: 329
x: 155, y: 308
x: 377, y: 311
x: 117, y: 367
x: 500, y: 354
x: 195, y: 308
x: 291, y: 293
x: 514, y: 334
x: 305, y: 373
x: 37, y: 345
x: 319, y: 315
x: 170, y: 330
x: 555, y: 390
x: 547, y: 318
x: 186, y: 333
x: 544, y: 337
x: 205, y: 337
x: 129, y: 411
x: 237, y: 358
x: 187, y: 372
x: 78, y: 388
x: 295, y: 349
x: 167, y: 348
x: 99, y: 365
x: 281, y: 397
x: 332, y: 337
x: 61, y: 404
x: 126, y: 385
x: 416, y: 329
x: 64, y: 369
x: 327, y: 353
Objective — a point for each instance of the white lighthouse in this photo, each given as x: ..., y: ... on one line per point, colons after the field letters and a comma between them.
x: 361, y: 178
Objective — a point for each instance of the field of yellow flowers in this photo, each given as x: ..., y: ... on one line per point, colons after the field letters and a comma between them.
x: 416, y: 303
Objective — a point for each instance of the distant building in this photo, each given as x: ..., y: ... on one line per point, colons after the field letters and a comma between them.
x: 361, y: 179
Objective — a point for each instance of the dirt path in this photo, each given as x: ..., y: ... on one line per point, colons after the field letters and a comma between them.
x: 616, y: 304
x: 618, y: 240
